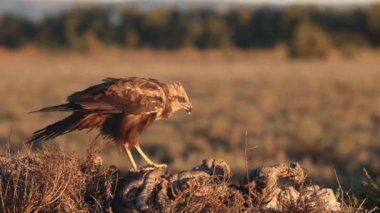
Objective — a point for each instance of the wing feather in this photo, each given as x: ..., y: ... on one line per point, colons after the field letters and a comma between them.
x: 128, y: 95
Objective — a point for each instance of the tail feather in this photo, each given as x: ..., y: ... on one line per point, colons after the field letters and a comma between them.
x: 63, y: 107
x: 58, y: 128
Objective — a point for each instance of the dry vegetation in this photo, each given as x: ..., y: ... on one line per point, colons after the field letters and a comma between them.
x: 324, y: 114
x: 51, y: 181
x: 48, y: 180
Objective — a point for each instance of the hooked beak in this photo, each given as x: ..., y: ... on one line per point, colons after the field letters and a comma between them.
x: 188, y: 108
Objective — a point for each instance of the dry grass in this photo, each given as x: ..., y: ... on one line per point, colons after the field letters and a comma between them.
x: 324, y: 114
x: 51, y: 181
x: 209, y: 196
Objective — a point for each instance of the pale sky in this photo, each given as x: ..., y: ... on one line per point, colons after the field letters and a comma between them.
x: 282, y: 2
x: 37, y: 9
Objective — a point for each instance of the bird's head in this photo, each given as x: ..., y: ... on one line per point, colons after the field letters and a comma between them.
x: 179, y: 97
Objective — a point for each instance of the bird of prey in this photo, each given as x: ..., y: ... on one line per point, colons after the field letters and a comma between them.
x: 120, y: 108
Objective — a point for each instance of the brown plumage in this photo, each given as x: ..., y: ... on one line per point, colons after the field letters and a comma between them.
x: 121, y: 109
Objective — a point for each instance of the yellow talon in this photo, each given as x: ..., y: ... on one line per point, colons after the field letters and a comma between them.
x: 159, y: 165
x: 150, y: 163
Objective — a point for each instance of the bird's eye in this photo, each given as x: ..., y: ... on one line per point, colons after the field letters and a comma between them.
x: 181, y: 99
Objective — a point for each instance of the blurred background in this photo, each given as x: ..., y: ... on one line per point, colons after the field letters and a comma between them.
x: 300, y: 77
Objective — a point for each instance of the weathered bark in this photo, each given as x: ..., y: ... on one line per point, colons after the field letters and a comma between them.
x: 152, y: 189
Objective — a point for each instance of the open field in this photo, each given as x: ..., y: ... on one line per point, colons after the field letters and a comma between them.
x: 324, y: 114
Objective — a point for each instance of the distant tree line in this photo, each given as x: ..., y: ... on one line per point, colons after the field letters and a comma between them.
x: 306, y: 30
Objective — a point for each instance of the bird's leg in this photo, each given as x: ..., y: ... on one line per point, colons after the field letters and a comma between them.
x: 151, y: 163
x: 130, y: 157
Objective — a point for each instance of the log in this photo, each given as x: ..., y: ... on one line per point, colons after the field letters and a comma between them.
x: 277, y: 188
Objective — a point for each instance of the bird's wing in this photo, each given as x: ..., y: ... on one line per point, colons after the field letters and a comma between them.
x: 128, y: 95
